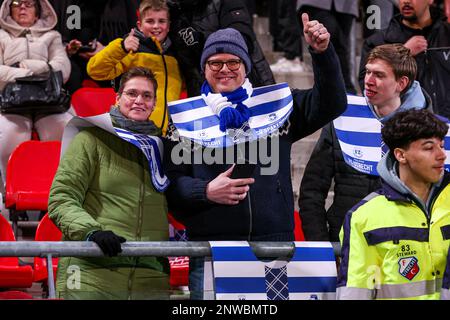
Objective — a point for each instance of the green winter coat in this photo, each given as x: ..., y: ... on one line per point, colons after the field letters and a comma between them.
x: 103, y: 183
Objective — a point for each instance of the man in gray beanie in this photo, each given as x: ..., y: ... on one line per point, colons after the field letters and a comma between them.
x: 226, y: 41
x: 215, y: 198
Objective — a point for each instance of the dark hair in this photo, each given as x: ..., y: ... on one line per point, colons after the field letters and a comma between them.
x: 399, y: 58
x: 137, y: 72
x: 409, y: 126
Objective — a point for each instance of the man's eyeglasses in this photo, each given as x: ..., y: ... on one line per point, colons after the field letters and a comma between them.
x: 217, y: 65
x: 133, y: 94
x: 18, y: 3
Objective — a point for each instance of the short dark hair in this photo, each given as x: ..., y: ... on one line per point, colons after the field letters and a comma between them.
x: 409, y: 126
x: 399, y: 58
x: 137, y: 72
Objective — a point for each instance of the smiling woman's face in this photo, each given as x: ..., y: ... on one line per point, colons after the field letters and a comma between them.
x: 137, y: 100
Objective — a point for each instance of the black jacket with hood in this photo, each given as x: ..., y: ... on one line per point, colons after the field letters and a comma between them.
x: 192, y: 21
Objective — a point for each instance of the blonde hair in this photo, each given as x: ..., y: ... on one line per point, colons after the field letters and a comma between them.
x: 155, y: 5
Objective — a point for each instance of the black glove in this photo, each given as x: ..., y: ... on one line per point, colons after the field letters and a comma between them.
x: 108, y: 241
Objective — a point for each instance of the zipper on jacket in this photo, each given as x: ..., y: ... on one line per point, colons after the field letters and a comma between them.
x: 141, y: 211
x: 138, y: 230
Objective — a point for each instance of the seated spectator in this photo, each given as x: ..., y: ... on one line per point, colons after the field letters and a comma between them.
x: 101, y: 21
x: 395, y: 241
x: 106, y: 190
x: 28, y: 45
x: 146, y: 46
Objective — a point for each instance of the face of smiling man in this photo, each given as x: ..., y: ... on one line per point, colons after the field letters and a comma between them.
x: 137, y: 100
x: 224, y: 80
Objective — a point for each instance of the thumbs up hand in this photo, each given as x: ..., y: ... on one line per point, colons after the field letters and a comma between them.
x: 131, y: 42
x: 316, y: 35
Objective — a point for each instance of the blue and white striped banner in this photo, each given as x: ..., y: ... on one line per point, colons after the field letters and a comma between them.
x: 359, y: 134
x: 239, y: 275
x: 270, y: 107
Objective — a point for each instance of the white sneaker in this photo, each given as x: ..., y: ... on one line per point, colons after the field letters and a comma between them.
x: 284, y: 65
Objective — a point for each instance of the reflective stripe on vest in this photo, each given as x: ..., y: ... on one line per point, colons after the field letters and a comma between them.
x: 346, y: 293
x: 409, y: 290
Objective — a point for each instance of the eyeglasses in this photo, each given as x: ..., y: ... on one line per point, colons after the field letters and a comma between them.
x: 18, y: 3
x: 217, y: 65
x: 134, y: 94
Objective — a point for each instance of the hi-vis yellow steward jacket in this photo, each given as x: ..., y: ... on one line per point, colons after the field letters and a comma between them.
x: 392, y: 248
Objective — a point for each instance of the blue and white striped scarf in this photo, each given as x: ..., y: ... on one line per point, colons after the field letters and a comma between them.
x: 269, y: 107
x: 152, y: 148
x: 359, y: 134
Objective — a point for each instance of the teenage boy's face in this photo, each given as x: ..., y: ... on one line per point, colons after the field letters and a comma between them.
x: 380, y: 85
x: 155, y: 24
x: 424, y: 160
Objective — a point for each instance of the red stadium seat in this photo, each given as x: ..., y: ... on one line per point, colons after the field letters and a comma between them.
x: 11, y: 274
x: 29, y: 174
x: 179, y: 266
x: 89, y: 83
x: 46, y: 231
x: 93, y: 101
x: 298, y: 230
x: 15, y: 295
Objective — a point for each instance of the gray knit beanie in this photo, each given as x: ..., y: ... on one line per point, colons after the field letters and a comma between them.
x: 226, y: 41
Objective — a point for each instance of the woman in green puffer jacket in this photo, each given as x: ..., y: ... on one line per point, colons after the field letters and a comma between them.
x: 105, y: 191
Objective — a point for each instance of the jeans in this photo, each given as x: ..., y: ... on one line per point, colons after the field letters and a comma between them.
x: 196, y: 275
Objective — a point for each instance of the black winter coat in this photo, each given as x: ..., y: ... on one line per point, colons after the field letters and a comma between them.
x: 350, y: 186
x: 433, y: 66
x: 192, y: 21
x: 267, y: 211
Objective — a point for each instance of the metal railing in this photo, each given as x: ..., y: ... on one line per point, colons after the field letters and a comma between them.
x: 50, y: 249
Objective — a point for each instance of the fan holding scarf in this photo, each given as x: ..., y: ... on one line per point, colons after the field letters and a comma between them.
x: 204, y: 196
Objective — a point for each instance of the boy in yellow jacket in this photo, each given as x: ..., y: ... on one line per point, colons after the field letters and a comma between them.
x: 147, y: 46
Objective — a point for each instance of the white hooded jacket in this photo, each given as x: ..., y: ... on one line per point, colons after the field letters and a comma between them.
x: 34, y: 47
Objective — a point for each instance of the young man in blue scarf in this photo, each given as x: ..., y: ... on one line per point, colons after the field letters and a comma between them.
x: 223, y: 126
